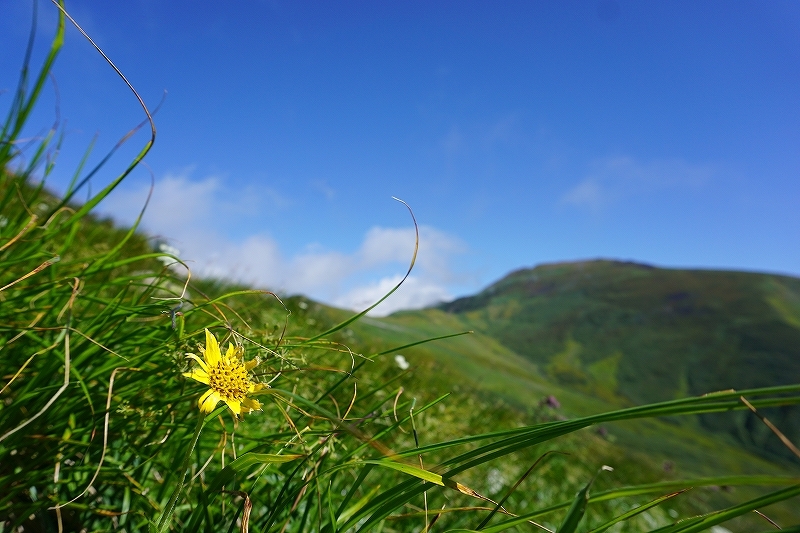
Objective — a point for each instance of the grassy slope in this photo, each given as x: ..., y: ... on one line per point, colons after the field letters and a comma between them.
x: 478, y: 366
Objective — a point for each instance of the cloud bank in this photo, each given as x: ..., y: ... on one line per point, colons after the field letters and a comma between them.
x: 180, y: 213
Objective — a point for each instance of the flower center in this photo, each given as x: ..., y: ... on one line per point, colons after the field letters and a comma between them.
x: 229, y: 379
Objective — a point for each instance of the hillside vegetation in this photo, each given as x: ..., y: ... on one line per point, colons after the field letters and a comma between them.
x: 630, y: 333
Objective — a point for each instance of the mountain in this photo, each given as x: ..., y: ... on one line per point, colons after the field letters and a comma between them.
x: 631, y: 333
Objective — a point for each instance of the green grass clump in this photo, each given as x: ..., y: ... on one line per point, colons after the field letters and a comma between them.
x: 101, y: 431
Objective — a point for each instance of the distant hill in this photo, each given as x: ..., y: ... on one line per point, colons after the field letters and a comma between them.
x: 631, y: 333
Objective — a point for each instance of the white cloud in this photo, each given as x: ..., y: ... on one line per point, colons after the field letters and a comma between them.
x: 413, y: 294
x: 317, y: 272
x: 176, y: 202
x: 617, y: 178
x: 180, y: 204
x: 188, y: 212
x: 397, y: 244
x: 253, y: 260
x: 345, y: 280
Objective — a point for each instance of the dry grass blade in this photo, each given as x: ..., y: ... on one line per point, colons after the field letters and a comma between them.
x: 31, y: 223
x: 33, y: 272
x: 247, y: 508
x: 768, y: 519
x: 786, y: 442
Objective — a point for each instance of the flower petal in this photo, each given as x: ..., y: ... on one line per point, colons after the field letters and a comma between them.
x: 198, y: 374
x: 250, y: 365
x: 209, y: 400
x: 212, y: 350
x: 202, y: 363
x: 255, y: 387
x: 233, y: 351
x: 250, y: 404
x: 235, y: 406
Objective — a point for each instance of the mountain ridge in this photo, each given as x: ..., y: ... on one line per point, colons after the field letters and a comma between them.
x: 633, y: 333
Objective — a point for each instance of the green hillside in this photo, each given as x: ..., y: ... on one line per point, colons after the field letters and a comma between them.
x: 630, y: 333
x: 478, y: 366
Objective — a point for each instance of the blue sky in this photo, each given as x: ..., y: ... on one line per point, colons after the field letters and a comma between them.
x: 520, y: 133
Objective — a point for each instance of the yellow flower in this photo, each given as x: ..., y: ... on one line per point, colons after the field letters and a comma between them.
x: 226, y: 376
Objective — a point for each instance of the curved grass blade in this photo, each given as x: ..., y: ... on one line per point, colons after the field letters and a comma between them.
x: 88, y: 206
x: 526, y: 436
x: 355, y: 317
